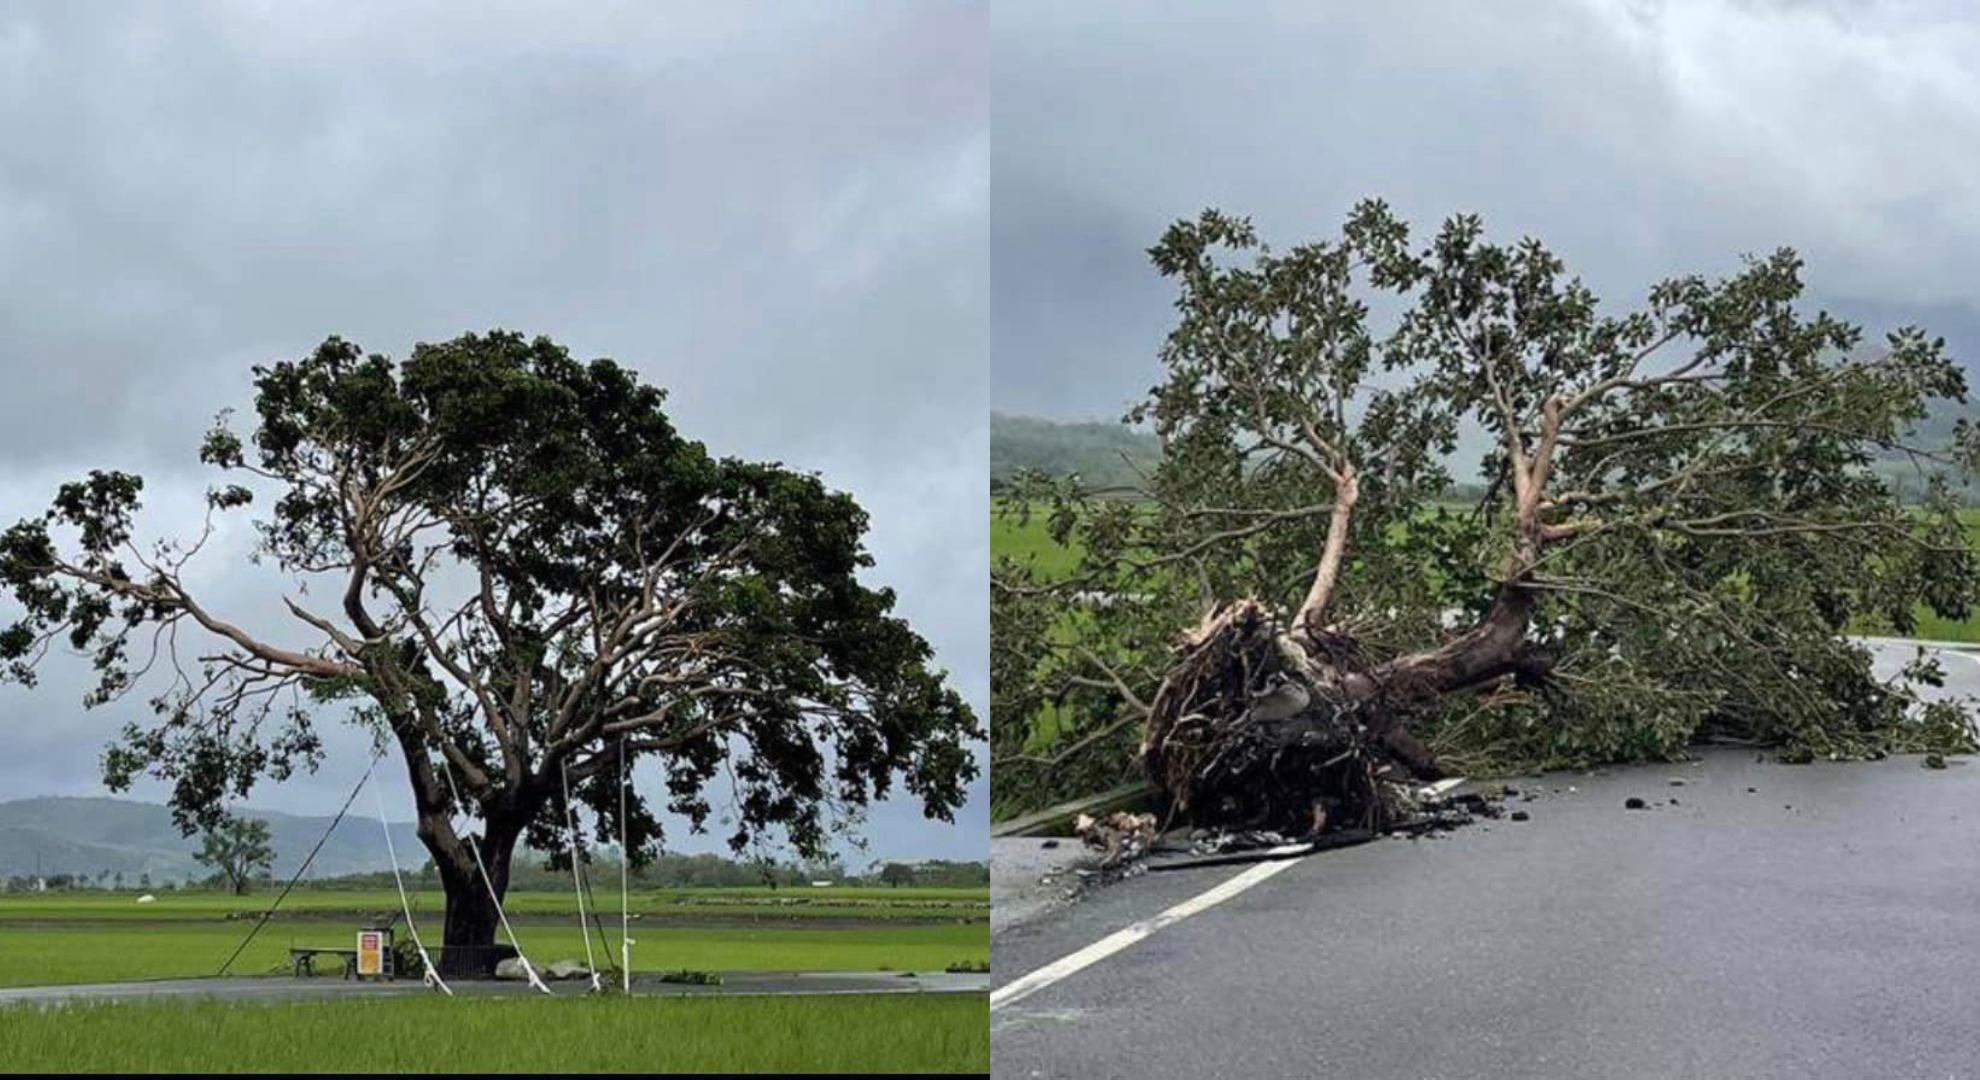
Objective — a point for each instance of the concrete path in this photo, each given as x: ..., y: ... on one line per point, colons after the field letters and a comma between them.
x: 279, y: 988
x: 1817, y: 920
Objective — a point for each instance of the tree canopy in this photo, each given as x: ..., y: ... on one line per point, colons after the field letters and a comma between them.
x: 236, y: 848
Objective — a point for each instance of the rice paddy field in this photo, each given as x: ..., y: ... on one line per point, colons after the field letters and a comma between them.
x: 56, y: 938
x: 51, y: 938
x: 1030, y: 542
x: 853, y: 1033
x: 753, y: 904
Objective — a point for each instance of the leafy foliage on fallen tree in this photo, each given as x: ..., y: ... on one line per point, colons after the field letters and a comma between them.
x: 1680, y: 517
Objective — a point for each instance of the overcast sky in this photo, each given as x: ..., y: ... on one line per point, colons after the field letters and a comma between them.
x: 1639, y: 140
x: 777, y: 212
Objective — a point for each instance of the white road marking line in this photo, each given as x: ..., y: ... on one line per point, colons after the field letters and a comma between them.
x: 1024, y: 986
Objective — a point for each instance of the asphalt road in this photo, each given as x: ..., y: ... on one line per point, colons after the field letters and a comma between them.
x: 1824, y: 923
x: 276, y: 988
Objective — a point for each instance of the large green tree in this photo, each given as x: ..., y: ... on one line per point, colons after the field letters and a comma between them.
x: 513, y: 570
x: 1684, y: 506
x: 237, y: 849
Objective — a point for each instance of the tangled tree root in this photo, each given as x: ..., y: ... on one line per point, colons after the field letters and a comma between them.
x: 1119, y: 837
x: 1259, y: 726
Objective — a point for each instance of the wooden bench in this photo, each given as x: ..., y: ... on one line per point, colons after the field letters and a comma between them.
x: 303, y: 959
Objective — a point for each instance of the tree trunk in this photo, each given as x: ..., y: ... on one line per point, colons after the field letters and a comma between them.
x: 468, y: 949
x: 469, y: 946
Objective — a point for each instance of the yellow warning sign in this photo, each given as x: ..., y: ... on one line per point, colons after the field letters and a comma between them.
x: 371, y: 952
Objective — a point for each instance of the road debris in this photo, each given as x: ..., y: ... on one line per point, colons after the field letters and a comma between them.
x: 1424, y: 811
x: 1120, y: 836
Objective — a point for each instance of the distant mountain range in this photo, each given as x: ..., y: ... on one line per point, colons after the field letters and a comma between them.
x: 92, y: 836
x: 1935, y: 431
x: 1103, y: 454
x: 1114, y: 455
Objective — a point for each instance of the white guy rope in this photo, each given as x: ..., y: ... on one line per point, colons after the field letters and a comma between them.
x: 307, y: 861
x: 570, y: 824
x: 432, y: 977
x: 625, y: 863
x: 475, y: 850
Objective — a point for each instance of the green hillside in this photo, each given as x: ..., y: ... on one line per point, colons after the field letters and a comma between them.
x: 1102, y: 454
x: 92, y: 836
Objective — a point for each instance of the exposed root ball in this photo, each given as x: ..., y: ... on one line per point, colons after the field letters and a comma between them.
x: 1253, y: 728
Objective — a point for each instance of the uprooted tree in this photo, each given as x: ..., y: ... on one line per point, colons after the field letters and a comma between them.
x: 513, y: 569
x: 1683, y: 507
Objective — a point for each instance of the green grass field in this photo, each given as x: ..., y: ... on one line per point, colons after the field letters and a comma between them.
x: 47, y: 954
x: 53, y: 938
x: 1935, y: 627
x: 862, y: 1034
x: 1030, y: 542
x: 727, y: 904
x: 96, y: 937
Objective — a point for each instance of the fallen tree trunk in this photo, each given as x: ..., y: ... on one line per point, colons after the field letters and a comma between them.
x: 1265, y: 725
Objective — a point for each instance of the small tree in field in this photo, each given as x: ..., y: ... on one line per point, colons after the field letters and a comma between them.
x: 515, y: 572
x: 1684, y: 507
x: 236, y: 848
x: 895, y: 875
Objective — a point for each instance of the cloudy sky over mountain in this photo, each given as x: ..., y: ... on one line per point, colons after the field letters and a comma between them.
x: 1641, y: 140
x: 780, y: 218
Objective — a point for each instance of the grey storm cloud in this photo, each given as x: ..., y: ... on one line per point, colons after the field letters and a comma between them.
x: 777, y: 213
x: 1639, y: 140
